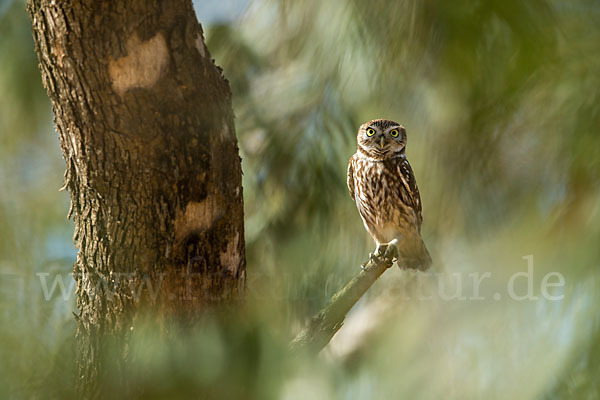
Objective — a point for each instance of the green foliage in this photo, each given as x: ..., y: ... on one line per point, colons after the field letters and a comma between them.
x: 502, y: 107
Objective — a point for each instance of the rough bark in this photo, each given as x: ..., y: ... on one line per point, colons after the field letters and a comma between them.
x: 146, y: 128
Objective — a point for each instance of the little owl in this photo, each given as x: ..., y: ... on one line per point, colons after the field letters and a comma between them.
x: 382, y: 184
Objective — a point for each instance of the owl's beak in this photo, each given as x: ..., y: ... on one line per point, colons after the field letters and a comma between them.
x: 382, y: 142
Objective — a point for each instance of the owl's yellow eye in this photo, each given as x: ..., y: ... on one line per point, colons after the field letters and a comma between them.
x: 370, y: 132
x: 394, y: 132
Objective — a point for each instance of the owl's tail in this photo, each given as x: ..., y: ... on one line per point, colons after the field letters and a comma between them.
x: 414, y: 254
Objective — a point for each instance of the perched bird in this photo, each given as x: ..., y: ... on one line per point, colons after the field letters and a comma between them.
x: 383, y: 185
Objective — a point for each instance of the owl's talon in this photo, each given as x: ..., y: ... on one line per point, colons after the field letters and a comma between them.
x: 380, y: 251
x: 391, y: 253
x: 372, y: 258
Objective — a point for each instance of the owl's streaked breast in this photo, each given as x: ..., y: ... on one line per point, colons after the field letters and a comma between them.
x: 379, y: 194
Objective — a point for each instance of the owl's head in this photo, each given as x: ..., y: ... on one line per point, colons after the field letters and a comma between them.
x: 381, y: 139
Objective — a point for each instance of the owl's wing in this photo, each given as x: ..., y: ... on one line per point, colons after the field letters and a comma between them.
x: 410, y: 184
x: 350, y: 178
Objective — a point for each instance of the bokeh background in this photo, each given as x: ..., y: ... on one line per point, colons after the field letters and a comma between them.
x: 501, y: 101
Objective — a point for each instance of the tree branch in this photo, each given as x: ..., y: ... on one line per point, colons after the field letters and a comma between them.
x: 329, y: 320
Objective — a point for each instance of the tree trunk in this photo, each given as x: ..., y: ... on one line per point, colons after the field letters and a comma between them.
x: 146, y: 129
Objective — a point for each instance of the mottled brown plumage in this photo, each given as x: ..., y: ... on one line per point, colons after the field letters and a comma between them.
x: 383, y: 185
